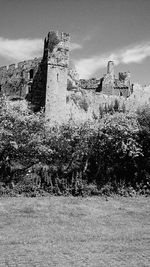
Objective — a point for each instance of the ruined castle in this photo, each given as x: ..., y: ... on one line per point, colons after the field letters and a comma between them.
x: 43, y: 81
x: 109, y: 84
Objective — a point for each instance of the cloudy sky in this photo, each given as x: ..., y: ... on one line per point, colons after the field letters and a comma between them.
x: 100, y: 30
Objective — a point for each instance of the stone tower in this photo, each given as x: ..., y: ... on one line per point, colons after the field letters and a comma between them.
x: 109, y: 78
x: 56, y: 51
x: 110, y: 69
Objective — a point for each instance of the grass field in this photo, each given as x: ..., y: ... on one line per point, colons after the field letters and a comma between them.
x: 67, y: 231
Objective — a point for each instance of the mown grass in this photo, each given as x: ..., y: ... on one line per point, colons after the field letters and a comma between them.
x: 67, y: 231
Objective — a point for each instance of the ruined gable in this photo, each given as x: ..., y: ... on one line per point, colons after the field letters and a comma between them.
x: 111, y: 85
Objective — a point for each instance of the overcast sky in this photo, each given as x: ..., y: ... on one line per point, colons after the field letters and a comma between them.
x: 100, y: 30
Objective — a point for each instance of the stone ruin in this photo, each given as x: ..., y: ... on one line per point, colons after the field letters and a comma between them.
x: 43, y: 81
x: 116, y: 86
x: 109, y: 84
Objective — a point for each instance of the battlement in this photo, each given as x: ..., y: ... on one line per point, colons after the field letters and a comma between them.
x: 27, y: 64
x: 61, y: 36
x: 3, y: 69
x: 12, y: 67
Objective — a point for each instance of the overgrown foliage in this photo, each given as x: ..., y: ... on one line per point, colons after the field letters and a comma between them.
x: 80, y: 100
x: 109, y: 155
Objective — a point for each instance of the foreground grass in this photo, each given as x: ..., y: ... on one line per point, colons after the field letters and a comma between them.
x: 67, y: 231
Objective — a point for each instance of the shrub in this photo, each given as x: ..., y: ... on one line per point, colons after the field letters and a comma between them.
x: 80, y: 100
x: 143, y: 116
x: 87, y: 158
x: 116, y: 105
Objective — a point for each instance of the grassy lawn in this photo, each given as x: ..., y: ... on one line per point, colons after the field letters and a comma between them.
x: 67, y: 231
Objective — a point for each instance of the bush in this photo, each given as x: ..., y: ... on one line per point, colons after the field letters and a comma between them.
x: 143, y: 117
x: 80, y: 100
x: 87, y: 158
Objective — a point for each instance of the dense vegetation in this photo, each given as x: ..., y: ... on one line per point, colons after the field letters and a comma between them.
x: 110, y: 154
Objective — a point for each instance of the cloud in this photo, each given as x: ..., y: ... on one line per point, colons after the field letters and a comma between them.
x: 87, y: 38
x: 75, y: 46
x: 20, y: 49
x: 86, y: 67
x: 136, y: 54
x: 24, y: 49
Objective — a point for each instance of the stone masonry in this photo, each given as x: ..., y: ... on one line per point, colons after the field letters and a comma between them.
x: 111, y: 85
x: 16, y: 79
x: 43, y: 82
x: 57, y: 53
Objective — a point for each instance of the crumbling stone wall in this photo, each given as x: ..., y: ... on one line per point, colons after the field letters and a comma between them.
x: 42, y: 81
x: 112, y: 86
x: 90, y: 84
x: 124, y: 77
x: 16, y: 80
x: 122, y: 86
x: 108, y: 85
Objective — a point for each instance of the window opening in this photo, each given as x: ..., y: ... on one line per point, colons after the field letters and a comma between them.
x: 31, y: 74
x: 29, y: 89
